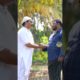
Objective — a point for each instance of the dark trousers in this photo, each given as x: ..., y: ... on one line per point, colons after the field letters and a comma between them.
x: 54, y: 69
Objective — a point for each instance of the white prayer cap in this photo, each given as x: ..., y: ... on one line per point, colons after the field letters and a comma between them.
x: 26, y: 18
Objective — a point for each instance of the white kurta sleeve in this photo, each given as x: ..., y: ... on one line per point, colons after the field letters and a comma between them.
x: 24, y: 36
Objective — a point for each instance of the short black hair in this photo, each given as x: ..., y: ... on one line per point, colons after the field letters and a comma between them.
x: 58, y: 21
x: 23, y: 24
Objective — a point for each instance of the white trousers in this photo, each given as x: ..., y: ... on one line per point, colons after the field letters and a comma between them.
x: 24, y: 66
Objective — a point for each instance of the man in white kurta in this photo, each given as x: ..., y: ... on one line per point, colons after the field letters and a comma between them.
x: 25, y: 53
x: 25, y: 49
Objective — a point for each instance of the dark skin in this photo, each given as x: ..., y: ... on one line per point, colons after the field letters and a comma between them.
x: 55, y: 26
x: 6, y: 56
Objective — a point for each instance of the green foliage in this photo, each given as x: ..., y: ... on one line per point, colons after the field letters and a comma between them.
x: 44, y: 39
x: 40, y: 37
x: 40, y: 56
x: 44, y: 7
x: 47, y: 9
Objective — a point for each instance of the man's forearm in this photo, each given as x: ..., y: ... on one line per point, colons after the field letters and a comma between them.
x: 32, y: 45
x: 44, y: 47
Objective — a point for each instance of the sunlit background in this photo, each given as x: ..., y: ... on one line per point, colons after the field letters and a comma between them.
x: 43, y: 12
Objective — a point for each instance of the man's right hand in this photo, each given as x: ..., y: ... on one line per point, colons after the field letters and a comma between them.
x: 43, y: 47
x: 8, y: 57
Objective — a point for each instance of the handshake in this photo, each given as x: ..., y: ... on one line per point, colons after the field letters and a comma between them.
x: 42, y: 46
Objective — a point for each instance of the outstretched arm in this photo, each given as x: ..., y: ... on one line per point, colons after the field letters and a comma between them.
x: 33, y: 45
x: 44, y: 47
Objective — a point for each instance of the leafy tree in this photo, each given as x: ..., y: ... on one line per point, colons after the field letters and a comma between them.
x: 48, y: 10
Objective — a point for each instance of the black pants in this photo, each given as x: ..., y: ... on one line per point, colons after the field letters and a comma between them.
x: 54, y: 69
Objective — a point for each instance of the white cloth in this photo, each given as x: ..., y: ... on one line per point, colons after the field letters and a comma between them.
x: 26, y: 18
x: 7, y: 40
x: 24, y: 53
x: 54, y: 32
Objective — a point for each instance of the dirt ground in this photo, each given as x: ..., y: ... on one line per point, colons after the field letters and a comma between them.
x: 39, y: 72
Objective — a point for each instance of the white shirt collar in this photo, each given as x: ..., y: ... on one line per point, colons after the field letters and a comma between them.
x: 26, y: 28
